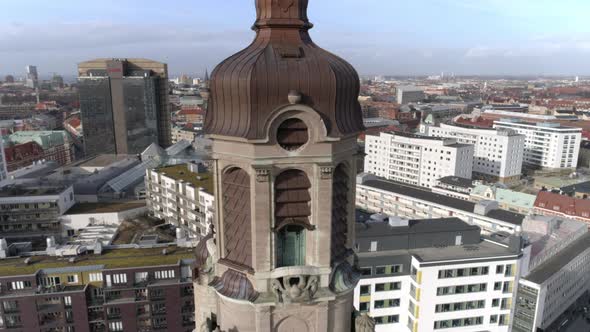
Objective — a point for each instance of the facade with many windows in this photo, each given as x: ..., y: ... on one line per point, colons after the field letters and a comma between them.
x: 547, y: 145
x: 417, y: 160
x: 397, y: 199
x: 33, y: 211
x: 182, y: 195
x: 425, y: 275
x: 497, y: 153
x: 547, y: 291
x: 116, y: 290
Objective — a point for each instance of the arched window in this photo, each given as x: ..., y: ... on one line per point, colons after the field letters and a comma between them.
x: 236, y: 217
x: 292, y: 212
x: 339, y: 212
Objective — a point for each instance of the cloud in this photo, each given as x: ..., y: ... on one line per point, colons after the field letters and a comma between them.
x: 64, y: 37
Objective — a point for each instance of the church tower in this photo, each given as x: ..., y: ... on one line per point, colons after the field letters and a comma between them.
x: 284, y: 118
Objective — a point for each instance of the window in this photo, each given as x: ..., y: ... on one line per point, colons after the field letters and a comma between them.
x: 461, y: 289
x: 458, y: 306
x: 388, y: 286
x: 169, y: 274
x: 16, y: 285
x: 509, y: 271
x: 116, y: 326
x: 68, y: 301
x: 141, y: 277
x: 389, y: 303
x: 460, y: 322
x: 50, y: 281
x: 495, y: 302
x: 10, y: 306
x: 499, y: 269
x: 457, y: 273
x: 388, y: 269
x: 120, y: 278
x: 73, y: 279
x: 366, y: 271
x: 291, y: 246
x: 292, y: 134
x: 391, y: 319
x: 364, y: 307
x: 95, y: 277
x: 497, y: 286
x: 158, y: 308
x: 365, y: 290
x: 493, y: 319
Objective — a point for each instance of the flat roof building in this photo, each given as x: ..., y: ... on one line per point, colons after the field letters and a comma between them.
x: 420, y: 275
x: 417, y: 160
x: 547, y: 145
x: 124, y: 105
x: 398, y: 199
x: 497, y: 153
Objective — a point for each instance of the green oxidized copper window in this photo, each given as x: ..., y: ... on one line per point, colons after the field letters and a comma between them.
x: 291, y: 246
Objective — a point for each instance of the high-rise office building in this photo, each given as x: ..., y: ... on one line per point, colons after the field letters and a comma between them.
x: 124, y: 105
x: 284, y: 118
x: 32, y: 78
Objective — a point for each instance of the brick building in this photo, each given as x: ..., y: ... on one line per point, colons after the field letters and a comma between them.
x: 22, y: 155
x: 147, y: 289
x: 56, y: 145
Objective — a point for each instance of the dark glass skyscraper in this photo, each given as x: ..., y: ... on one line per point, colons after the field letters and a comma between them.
x: 124, y: 105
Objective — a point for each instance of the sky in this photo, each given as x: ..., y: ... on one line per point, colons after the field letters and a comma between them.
x: 389, y: 37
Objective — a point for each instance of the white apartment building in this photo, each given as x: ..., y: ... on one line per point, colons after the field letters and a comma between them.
x: 430, y: 275
x: 181, y: 195
x: 397, y: 199
x: 498, y: 153
x: 547, y: 145
x: 558, y: 276
x: 417, y: 160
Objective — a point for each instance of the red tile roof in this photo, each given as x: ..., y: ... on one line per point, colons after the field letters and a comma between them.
x: 477, y: 122
x: 74, y: 122
x: 191, y: 111
x: 563, y: 204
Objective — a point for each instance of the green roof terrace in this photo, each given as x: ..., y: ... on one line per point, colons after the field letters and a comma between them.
x: 109, y: 259
x: 181, y: 172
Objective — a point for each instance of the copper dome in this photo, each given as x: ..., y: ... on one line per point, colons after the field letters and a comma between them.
x: 247, y: 87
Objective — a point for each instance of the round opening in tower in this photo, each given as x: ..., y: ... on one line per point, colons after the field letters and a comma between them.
x: 292, y: 134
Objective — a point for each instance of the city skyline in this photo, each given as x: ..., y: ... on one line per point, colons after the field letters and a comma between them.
x: 492, y: 37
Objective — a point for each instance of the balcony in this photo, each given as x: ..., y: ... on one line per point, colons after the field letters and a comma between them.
x: 95, y: 316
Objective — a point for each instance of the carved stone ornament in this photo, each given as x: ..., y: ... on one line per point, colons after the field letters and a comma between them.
x: 262, y: 174
x: 326, y: 172
x: 364, y: 323
x: 295, y: 289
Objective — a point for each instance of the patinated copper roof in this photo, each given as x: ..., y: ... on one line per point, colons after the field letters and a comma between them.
x: 247, y: 87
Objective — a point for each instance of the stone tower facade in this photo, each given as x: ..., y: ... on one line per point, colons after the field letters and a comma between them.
x: 284, y: 117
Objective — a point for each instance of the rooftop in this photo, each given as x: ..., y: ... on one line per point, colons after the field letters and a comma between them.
x: 407, y: 190
x: 484, y: 249
x: 181, y: 172
x: 556, y: 263
x: 85, y: 208
x: 381, y: 229
x: 456, y: 181
x: 110, y: 259
x: 104, y: 160
x: 21, y: 190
